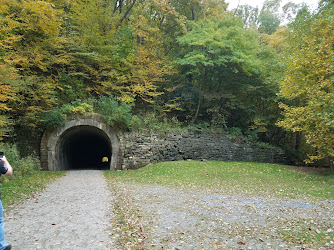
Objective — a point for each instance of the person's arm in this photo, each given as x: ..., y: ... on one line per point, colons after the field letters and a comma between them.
x: 7, y: 165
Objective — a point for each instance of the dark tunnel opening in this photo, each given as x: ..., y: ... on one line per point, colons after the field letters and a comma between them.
x: 85, y: 147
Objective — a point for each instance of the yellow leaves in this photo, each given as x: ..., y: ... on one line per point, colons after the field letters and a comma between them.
x: 139, y: 88
x: 294, y: 117
x: 259, y: 124
x: 310, y: 63
x: 127, y: 99
x: 215, y: 8
x: 7, y: 24
x: 42, y: 16
x: 172, y: 105
x: 277, y: 40
x: 164, y: 8
x: 31, y: 28
x: 6, y: 93
x: 82, y: 108
x: 7, y: 72
x: 171, y: 89
x: 145, y: 68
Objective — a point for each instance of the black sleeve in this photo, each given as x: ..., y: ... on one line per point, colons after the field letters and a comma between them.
x: 3, y: 168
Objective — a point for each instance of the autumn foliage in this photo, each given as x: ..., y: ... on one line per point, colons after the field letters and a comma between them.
x: 308, y: 85
x: 191, y: 61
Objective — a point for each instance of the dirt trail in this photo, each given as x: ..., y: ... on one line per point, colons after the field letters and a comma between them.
x: 72, y: 213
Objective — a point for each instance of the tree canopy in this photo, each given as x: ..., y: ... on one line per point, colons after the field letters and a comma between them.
x: 308, y: 85
x: 264, y: 71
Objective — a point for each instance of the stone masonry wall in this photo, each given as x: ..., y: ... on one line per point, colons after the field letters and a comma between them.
x: 140, y: 149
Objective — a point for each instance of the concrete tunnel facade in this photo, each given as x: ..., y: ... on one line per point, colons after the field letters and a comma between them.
x: 80, y: 144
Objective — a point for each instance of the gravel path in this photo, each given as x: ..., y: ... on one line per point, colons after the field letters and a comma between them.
x: 198, y: 219
x: 72, y: 213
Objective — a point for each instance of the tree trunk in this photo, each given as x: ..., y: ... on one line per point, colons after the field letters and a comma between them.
x: 118, y: 5
x: 115, y: 7
x: 161, y: 22
x: 192, y: 13
x: 235, y: 11
x: 126, y: 13
x: 298, y: 140
x: 198, y: 104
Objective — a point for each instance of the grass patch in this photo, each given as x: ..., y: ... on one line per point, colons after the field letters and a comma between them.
x: 308, y: 233
x: 236, y: 178
x: 18, y: 189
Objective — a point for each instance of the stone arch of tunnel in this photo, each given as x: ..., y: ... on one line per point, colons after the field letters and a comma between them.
x: 80, y: 144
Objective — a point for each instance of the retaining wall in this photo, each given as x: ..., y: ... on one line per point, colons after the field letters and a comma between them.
x: 140, y: 149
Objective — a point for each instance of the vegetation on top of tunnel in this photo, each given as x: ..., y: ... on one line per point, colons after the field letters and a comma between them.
x: 115, y: 113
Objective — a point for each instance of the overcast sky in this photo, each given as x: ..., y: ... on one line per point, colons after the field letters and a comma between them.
x: 233, y: 3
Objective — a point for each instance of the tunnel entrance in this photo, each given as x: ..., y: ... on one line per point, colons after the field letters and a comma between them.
x: 83, y: 143
x: 84, y: 147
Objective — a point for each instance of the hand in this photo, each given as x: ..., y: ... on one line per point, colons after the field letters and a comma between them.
x: 8, y: 166
x: 3, y: 159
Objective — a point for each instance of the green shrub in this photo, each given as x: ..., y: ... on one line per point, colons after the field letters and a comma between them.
x: 252, y: 135
x: 115, y: 113
x: 203, y: 126
x: 53, y: 119
x: 11, y: 153
x: 26, y: 166
x: 77, y: 107
x: 22, y: 166
x: 151, y: 122
x: 264, y: 145
x: 235, y: 132
x: 136, y: 123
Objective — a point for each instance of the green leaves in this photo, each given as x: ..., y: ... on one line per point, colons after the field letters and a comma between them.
x: 229, y: 67
x: 185, y: 59
x: 116, y: 113
x: 53, y: 119
x: 308, y: 84
x: 217, y: 42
